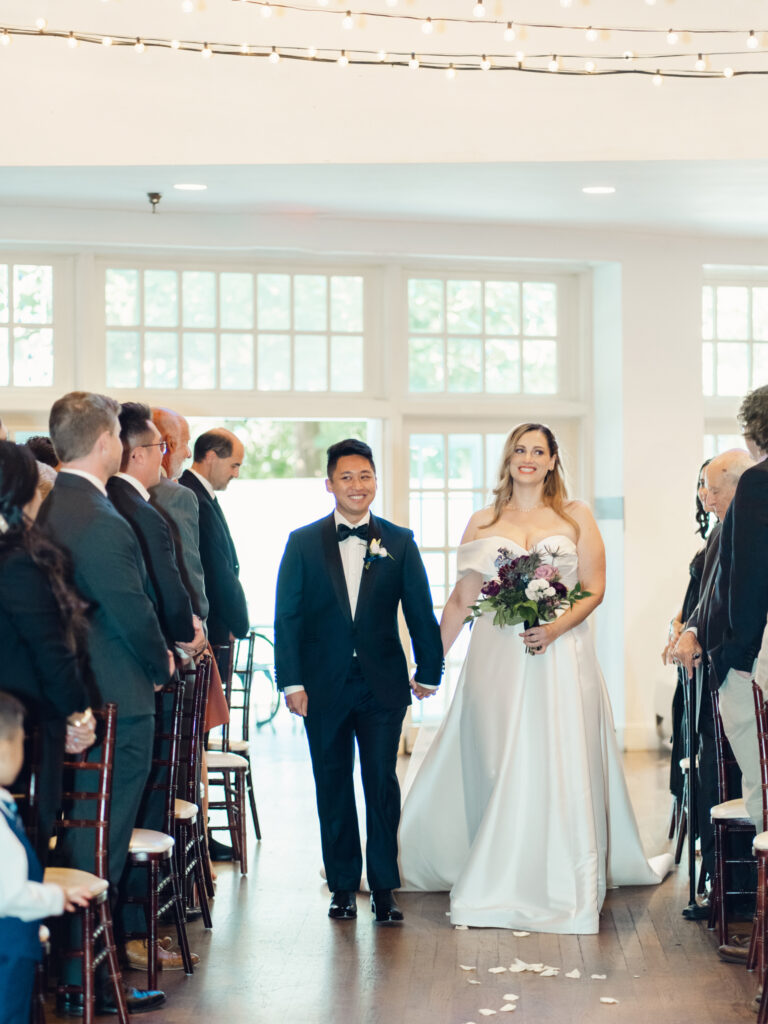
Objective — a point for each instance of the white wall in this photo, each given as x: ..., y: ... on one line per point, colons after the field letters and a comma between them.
x: 650, y: 413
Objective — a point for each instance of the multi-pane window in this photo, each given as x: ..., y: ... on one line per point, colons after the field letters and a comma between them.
x: 26, y: 325
x: 735, y: 334
x: 234, y: 330
x: 481, y: 335
x: 716, y: 444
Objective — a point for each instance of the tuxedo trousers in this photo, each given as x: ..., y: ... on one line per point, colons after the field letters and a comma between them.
x: 357, y: 715
x: 737, y: 709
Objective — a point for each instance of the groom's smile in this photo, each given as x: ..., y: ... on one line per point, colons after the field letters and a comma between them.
x: 353, y: 484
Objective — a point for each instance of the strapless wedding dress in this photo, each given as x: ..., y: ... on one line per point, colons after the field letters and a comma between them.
x: 520, y: 807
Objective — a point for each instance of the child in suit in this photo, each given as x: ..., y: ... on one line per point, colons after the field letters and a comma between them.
x: 25, y: 900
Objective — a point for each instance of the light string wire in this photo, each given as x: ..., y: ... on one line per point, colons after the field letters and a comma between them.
x: 428, y: 61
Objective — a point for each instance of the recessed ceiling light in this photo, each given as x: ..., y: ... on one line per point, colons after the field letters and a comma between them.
x: 191, y: 188
x: 599, y: 190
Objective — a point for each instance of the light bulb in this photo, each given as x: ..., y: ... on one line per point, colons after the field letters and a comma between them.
x: 479, y: 9
x: 672, y: 37
x: 312, y: 52
x: 520, y: 56
x: 274, y: 57
x: 589, y: 66
x: 381, y: 55
x: 413, y: 63
x: 509, y: 32
x: 591, y: 34
x: 5, y: 38
x: 485, y: 64
x: 554, y: 64
x: 322, y: 3
x: 41, y: 24
x: 187, y: 6
x: 266, y: 11
x: 346, y: 21
x: 727, y: 72
x: 138, y: 46
x: 651, y: 3
x: 343, y: 59
x: 752, y: 40
x: 72, y: 41
x: 450, y: 72
x: 657, y: 78
x: 566, y: 3
x: 245, y: 49
x: 427, y: 26
x: 106, y: 40
x: 391, y: 3
x: 701, y: 64
x: 206, y: 53
x: 629, y: 54
x: 175, y: 44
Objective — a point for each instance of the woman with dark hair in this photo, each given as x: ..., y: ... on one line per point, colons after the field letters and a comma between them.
x: 42, y: 631
x: 520, y: 807
x: 691, y: 599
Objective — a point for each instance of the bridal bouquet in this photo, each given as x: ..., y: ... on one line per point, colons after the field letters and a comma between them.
x: 526, y: 589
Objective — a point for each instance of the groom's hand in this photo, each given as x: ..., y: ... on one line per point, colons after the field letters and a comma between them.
x: 297, y: 703
x: 420, y: 692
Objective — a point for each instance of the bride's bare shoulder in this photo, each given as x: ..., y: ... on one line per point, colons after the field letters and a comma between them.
x: 578, y: 509
x: 477, y: 524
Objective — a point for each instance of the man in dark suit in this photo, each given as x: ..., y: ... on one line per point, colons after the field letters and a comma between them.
x: 128, y: 654
x: 218, y: 456
x: 341, y: 666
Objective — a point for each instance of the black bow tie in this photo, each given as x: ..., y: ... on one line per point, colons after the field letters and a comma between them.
x: 343, y: 531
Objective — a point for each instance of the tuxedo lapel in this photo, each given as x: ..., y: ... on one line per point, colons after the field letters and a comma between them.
x: 333, y: 563
x: 369, y: 569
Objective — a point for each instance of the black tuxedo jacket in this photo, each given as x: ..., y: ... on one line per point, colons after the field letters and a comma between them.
x: 126, y: 647
x: 700, y: 616
x: 37, y: 665
x: 739, y: 606
x: 228, y: 610
x: 315, y: 634
x: 174, y: 608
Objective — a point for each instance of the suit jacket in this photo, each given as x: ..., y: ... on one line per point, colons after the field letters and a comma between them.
x: 740, y: 599
x: 315, y: 634
x: 37, y: 665
x: 179, y: 505
x: 126, y: 647
x: 228, y: 610
x: 699, y: 619
x: 174, y: 609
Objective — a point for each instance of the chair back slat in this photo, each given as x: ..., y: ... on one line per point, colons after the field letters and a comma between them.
x: 165, y: 758
x: 225, y: 660
x: 194, y: 726
x: 761, y: 717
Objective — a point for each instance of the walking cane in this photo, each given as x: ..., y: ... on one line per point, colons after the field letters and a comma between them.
x: 693, y: 688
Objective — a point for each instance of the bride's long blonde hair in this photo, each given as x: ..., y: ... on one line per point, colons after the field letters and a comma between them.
x: 555, y: 494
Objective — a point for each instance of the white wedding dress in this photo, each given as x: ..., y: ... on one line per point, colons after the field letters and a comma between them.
x: 520, y: 807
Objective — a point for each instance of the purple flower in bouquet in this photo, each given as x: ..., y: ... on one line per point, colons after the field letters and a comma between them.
x: 560, y: 588
x: 491, y: 588
x: 545, y: 572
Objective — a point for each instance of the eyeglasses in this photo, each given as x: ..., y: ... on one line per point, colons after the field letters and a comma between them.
x: 162, y: 445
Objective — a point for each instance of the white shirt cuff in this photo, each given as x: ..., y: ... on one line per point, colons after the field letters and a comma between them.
x: 692, y: 629
x: 424, y: 686
x: 293, y: 689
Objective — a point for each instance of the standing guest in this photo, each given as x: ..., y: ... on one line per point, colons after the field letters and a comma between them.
x: 43, y: 450
x: 128, y: 653
x: 46, y: 478
x: 342, y: 668
x: 42, y: 635
x: 25, y: 900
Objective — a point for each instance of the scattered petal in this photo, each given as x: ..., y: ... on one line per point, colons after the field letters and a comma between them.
x: 603, y: 999
x: 474, y: 981
x: 518, y: 966
x: 487, y: 1013
x: 520, y: 935
x: 461, y: 927
x: 508, y: 1007
x: 510, y: 996
x: 575, y: 973
x: 536, y: 968
x: 496, y: 970
x: 447, y: 913
x: 549, y: 972
x: 466, y: 967
x: 599, y: 977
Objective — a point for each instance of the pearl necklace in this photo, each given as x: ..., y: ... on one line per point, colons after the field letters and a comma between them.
x: 519, y: 508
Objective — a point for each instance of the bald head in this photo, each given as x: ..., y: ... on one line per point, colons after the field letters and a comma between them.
x: 174, y: 430
x: 218, y: 456
x: 721, y: 477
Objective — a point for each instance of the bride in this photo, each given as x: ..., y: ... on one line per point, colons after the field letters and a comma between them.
x: 520, y: 807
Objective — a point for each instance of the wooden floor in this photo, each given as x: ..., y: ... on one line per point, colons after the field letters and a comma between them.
x: 275, y: 956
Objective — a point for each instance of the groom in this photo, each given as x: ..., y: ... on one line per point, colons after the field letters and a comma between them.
x: 341, y: 666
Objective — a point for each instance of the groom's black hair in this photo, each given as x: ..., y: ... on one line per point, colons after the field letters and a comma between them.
x: 349, y: 446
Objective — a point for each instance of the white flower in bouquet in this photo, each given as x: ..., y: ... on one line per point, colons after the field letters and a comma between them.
x: 537, y: 589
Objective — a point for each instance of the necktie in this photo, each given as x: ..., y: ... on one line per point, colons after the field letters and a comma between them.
x: 343, y: 531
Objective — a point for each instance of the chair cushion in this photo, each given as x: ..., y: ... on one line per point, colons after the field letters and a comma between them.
x: 69, y: 877
x: 760, y: 842
x: 185, y: 810
x: 146, y: 840
x: 731, y: 810
x: 231, y: 761
x: 236, y: 746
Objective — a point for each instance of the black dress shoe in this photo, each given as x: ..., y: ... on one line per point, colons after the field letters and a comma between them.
x: 343, y: 905
x: 218, y: 851
x: 137, y: 1000
x: 384, y: 907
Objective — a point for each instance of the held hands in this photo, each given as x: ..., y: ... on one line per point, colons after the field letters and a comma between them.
x: 688, y: 652
x: 420, y: 692
x: 81, y: 731
x: 297, y: 702
x: 538, y: 638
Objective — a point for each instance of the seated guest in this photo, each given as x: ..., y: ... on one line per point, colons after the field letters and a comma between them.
x: 25, y: 900
x: 43, y: 450
x: 128, y: 654
x: 42, y: 634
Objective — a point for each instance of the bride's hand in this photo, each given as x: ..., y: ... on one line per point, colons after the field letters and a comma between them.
x: 538, y: 638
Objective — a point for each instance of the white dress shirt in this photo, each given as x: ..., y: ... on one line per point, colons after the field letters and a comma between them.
x: 206, y: 483
x: 89, y: 477
x: 30, y: 901
x: 135, y: 483
x: 352, y: 551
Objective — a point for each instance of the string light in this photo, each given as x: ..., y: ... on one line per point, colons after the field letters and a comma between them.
x: 591, y: 34
x: 175, y: 44
x: 381, y: 55
x: 312, y: 52
x: 450, y: 72
x: 752, y: 40
x: 554, y: 64
x: 589, y: 66
x: 485, y: 64
x: 206, y: 53
x: 72, y: 41
x: 566, y: 3
x: 138, y: 46
x: 628, y: 54
x: 413, y: 63
x: 727, y: 72
x: 343, y: 59
x: 266, y: 10
x: 391, y: 3
x: 245, y: 49
x: 520, y: 57
x: 187, y: 6
x: 41, y: 24
x: 106, y: 41
x: 347, y: 21
x: 5, y: 38
x: 479, y: 9
x: 701, y: 64
x: 509, y: 32
x: 322, y: 3
x: 274, y: 57
x: 427, y: 27
x: 658, y: 78
x: 672, y: 37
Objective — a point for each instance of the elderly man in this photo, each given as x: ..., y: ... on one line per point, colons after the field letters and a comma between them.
x: 179, y: 504
x: 128, y: 654
x: 721, y: 479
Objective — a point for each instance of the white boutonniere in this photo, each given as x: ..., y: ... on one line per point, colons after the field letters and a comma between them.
x: 376, y: 550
